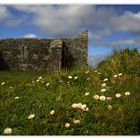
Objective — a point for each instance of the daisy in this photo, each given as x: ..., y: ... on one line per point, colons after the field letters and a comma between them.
x: 99, y: 73
x: 118, y: 95
x: 87, y: 72
x: 74, y: 105
x: 95, y: 71
x: 88, y: 78
x: 103, y: 90
x: 69, y: 77
x: 52, y: 112
x: 127, y: 93
x: 86, y: 109
x: 109, y: 107
x: 40, y: 77
x: 108, y: 98
x: 3, y: 83
x: 7, y: 131
x: 96, y: 97
x: 87, y: 93
x: 83, y: 107
x: 47, y: 84
x: 75, y: 77
x: 105, y: 80
x: 16, y: 98
x: 79, y: 105
x: 120, y: 74
x: 37, y: 80
x: 60, y: 81
x: 76, y: 121
x: 67, y: 125
x: 104, y: 84
x: 31, y: 116
x: 102, y: 98
x: 115, y: 76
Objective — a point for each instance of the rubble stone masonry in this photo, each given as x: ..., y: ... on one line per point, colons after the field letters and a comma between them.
x: 33, y: 54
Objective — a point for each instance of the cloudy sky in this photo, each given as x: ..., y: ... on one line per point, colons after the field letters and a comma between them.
x: 109, y: 26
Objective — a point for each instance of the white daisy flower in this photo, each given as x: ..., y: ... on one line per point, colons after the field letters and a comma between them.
x: 115, y: 76
x: 99, y: 73
x: 16, y: 98
x: 76, y: 121
x: 86, y: 109
x: 96, y: 97
x: 83, y: 107
x: 103, y: 90
x: 120, y: 74
x: 3, y: 83
x: 118, y: 95
x: 67, y: 125
x: 60, y: 81
x: 95, y: 71
x: 104, y: 84
x: 75, y: 77
x: 102, y: 98
x: 79, y: 105
x: 109, y: 107
x: 105, y: 80
x: 74, y: 105
x: 47, y: 84
x: 87, y: 93
x: 108, y: 98
x: 88, y: 78
x: 40, y: 77
x: 87, y: 72
x: 7, y: 131
x: 31, y: 116
x: 69, y: 77
x: 127, y: 93
x: 52, y: 112
x: 37, y: 80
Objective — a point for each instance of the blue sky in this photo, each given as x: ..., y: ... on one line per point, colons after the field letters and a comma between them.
x: 109, y: 26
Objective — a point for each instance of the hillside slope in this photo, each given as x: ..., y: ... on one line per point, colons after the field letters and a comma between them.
x: 81, y: 101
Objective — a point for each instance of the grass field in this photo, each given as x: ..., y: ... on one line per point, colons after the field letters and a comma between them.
x: 83, y: 101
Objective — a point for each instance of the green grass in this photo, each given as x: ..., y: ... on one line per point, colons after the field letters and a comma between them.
x: 37, y: 98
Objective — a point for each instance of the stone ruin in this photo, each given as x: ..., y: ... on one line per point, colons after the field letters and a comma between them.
x: 33, y: 54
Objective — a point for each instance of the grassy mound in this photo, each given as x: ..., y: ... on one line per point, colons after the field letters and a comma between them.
x: 126, y: 61
x: 64, y: 103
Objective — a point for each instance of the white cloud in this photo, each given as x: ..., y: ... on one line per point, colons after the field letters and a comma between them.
x: 126, y: 22
x: 59, y: 20
x: 30, y: 36
x: 124, y: 42
x: 8, y: 18
x: 4, y: 13
x: 64, y: 20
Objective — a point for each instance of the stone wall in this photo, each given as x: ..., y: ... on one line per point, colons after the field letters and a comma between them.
x: 75, y: 50
x: 43, y: 54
